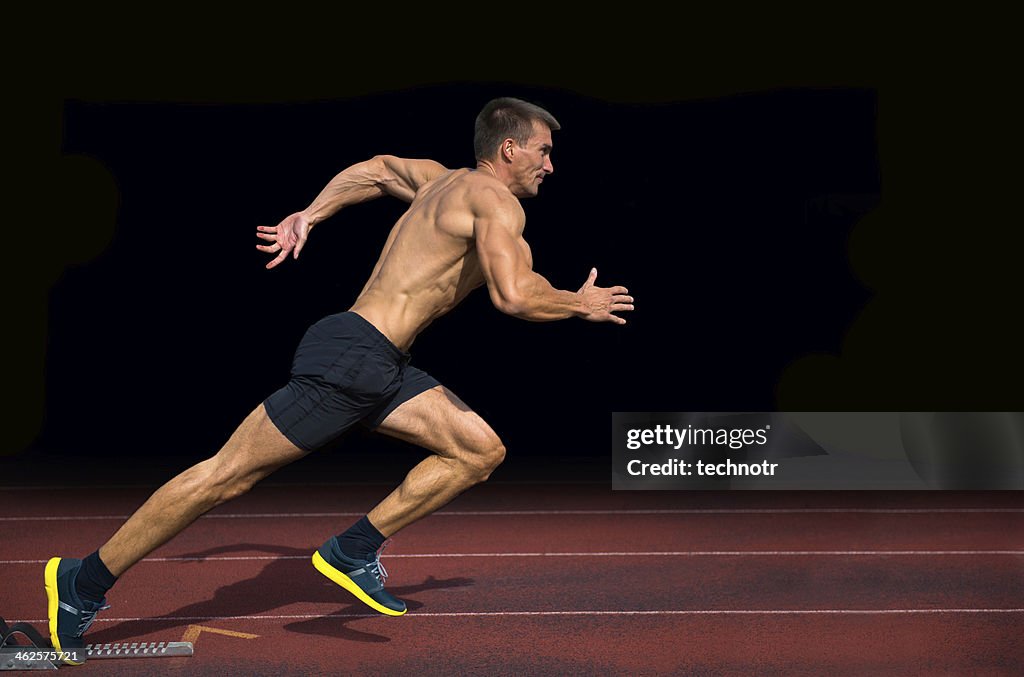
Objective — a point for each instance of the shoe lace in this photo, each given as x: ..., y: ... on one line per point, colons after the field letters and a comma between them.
x: 87, y: 617
x: 375, y: 566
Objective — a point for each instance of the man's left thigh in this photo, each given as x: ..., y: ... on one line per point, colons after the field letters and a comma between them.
x: 414, y: 382
x: 438, y: 420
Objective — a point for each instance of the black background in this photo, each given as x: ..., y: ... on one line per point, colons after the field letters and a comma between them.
x: 825, y: 231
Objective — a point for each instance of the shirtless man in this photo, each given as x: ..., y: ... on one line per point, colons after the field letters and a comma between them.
x: 463, y: 228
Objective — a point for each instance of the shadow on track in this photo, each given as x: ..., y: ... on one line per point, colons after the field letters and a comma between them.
x: 282, y: 582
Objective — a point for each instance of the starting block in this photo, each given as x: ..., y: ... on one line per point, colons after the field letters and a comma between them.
x: 39, y: 653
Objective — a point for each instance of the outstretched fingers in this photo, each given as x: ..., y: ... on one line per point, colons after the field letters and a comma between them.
x: 280, y: 257
x: 620, y: 301
x: 605, y: 301
x: 280, y: 244
x: 615, y: 318
x: 268, y: 233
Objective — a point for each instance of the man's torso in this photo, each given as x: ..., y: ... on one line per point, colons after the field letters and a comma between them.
x: 429, y: 262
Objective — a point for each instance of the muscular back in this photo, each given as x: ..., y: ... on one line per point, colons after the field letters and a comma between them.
x: 430, y: 262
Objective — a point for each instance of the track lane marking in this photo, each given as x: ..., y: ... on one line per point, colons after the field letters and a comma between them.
x: 567, y: 612
x: 520, y: 513
x: 679, y: 553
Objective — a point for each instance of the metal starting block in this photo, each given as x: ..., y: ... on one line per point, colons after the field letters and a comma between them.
x: 138, y: 650
x: 39, y: 653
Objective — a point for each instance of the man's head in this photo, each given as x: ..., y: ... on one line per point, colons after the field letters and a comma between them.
x: 514, y: 137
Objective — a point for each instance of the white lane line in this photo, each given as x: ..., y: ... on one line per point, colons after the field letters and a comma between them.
x: 517, y: 513
x: 677, y: 553
x: 624, y: 612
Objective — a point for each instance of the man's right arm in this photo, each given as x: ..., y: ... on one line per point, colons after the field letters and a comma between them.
x: 517, y: 290
x: 378, y: 176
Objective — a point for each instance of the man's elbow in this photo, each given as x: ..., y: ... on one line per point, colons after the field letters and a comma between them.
x: 378, y: 169
x: 388, y: 178
x: 510, y: 304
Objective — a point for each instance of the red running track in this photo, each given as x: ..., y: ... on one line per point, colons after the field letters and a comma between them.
x: 558, y: 579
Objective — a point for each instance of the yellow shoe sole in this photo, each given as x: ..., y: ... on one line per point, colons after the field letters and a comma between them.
x: 321, y: 565
x: 50, y: 583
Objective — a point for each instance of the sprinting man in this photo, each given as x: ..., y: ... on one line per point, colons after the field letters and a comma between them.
x: 463, y: 229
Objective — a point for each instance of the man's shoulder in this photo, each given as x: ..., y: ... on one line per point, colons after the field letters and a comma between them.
x: 486, y: 194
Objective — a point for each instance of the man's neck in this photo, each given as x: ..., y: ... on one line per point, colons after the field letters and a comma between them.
x: 485, y: 166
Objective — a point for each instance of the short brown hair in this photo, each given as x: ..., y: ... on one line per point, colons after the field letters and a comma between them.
x: 507, y: 118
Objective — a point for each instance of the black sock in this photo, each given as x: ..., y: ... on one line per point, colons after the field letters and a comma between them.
x: 361, y: 540
x: 94, y: 579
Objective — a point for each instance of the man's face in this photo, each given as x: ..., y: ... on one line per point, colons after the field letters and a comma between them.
x: 532, y: 162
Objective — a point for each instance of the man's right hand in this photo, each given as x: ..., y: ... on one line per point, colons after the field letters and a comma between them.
x: 602, y: 302
x: 288, y: 236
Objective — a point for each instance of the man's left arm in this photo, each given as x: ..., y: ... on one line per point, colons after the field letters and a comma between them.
x: 517, y: 290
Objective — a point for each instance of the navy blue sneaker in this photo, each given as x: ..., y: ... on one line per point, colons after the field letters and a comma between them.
x: 364, y: 579
x: 70, y: 616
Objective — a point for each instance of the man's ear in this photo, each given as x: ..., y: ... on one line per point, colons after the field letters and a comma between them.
x: 507, y: 147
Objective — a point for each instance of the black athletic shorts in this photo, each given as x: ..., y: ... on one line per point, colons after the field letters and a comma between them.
x: 344, y: 372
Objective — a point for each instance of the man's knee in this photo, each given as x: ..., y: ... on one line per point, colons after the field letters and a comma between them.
x: 495, y: 455
x: 485, y: 454
x: 217, y: 481
x: 235, y: 484
x: 231, y: 473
